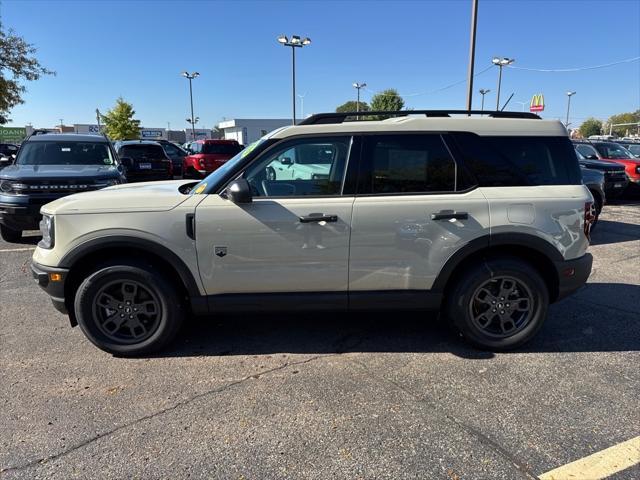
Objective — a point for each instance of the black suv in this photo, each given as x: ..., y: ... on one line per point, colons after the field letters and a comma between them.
x: 144, y: 160
x: 50, y: 166
x: 615, y: 179
x: 175, y: 153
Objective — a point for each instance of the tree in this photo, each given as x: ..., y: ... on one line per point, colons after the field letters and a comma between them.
x: 591, y: 126
x: 17, y: 62
x: 630, y: 117
x: 351, y: 106
x: 119, y: 123
x: 387, y: 100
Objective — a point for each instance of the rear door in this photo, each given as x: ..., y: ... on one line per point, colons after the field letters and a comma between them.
x: 414, y: 209
x: 292, y: 238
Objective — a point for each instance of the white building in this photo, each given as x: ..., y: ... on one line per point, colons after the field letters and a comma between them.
x: 248, y: 130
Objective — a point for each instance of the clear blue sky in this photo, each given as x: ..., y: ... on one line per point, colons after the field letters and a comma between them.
x: 137, y: 49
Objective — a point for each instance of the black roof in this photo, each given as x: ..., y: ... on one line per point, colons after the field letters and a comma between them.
x: 67, y: 137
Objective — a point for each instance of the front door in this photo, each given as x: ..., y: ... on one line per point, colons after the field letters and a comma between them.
x: 292, y: 238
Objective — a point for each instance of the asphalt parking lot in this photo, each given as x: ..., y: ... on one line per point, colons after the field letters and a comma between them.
x: 325, y: 397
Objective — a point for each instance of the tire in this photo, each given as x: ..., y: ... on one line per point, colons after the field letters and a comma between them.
x: 474, y: 292
x: 597, y: 207
x: 106, y: 291
x: 10, y: 235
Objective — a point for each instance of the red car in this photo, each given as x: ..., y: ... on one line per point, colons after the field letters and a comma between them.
x: 617, y: 153
x: 205, y: 156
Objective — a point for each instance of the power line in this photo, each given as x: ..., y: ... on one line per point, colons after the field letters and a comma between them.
x: 579, y: 69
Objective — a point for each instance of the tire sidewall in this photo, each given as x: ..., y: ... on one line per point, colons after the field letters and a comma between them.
x: 463, y: 296
x: 171, y: 312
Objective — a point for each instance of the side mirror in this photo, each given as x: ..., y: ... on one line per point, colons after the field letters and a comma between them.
x: 127, y: 162
x: 239, y: 191
x: 5, y: 161
x: 592, y: 157
x: 286, y: 161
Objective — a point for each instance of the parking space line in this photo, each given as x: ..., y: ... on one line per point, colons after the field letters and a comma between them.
x: 17, y: 249
x: 600, y: 464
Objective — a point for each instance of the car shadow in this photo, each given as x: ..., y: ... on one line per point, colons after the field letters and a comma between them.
x: 609, y: 231
x: 576, y: 324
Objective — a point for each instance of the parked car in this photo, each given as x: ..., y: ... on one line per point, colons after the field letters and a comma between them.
x: 594, y: 180
x: 175, y: 153
x: 144, y: 161
x: 615, y: 178
x: 8, y: 150
x: 205, y: 156
x: 401, y: 222
x: 613, y: 152
x: 303, y: 162
x: 48, y: 167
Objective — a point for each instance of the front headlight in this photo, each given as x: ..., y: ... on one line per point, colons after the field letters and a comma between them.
x: 11, y: 187
x: 47, y: 228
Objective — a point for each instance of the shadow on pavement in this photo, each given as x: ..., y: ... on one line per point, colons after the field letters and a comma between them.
x: 609, y: 231
x: 587, y: 322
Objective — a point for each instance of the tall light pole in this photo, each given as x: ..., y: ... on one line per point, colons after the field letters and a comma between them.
x: 483, y: 92
x: 501, y: 62
x: 358, y: 86
x: 569, y: 95
x: 472, y: 52
x: 294, y: 42
x: 190, y: 77
x: 301, y: 97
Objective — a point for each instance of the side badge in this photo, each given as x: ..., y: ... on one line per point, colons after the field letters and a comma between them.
x: 220, y: 251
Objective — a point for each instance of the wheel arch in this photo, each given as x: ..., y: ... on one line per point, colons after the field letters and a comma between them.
x: 537, y: 252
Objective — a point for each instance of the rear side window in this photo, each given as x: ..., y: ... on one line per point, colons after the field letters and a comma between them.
x: 519, y: 160
x: 394, y: 164
x: 142, y: 151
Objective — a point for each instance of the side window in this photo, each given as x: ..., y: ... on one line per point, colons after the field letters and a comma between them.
x: 307, y: 166
x: 406, y: 164
x: 586, y: 150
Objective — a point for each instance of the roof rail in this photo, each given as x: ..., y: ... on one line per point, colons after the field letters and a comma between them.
x: 324, y: 118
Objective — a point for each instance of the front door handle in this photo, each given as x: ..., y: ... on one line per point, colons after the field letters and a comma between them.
x: 449, y: 214
x: 318, y: 217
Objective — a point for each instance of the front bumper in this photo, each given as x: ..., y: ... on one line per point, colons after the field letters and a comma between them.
x: 573, y: 274
x: 52, y: 281
x: 20, y: 217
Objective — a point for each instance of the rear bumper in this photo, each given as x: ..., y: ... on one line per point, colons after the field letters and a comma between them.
x: 55, y: 289
x: 573, y: 274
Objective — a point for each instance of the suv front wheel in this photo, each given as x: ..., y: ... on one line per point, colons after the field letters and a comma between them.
x: 498, y: 304
x: 128, y: 308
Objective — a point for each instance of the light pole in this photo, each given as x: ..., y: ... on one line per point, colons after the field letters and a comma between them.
x: 193, y: 122
x: 501, y: 62
x: 358, y: 86
x: 294, y: 42
x: 190, y: 77
x: 301, y: 97
x: 483, y: 92
x: 472, y: 53
x: 569, y: 95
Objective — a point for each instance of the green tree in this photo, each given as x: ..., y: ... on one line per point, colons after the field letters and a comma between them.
x: 591, y: 126
x: 630, y: 117
x: 119, y: 123
x: 351, y: 106
x: 389, y: 100
x: 17, y: 62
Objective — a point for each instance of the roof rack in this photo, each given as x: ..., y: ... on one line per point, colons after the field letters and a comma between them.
x: 324, y: 118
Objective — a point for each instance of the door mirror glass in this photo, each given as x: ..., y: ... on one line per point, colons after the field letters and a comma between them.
x: 239, y: 191
x: 592, y: 157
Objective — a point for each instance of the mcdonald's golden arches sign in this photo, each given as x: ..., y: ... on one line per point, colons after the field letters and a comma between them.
x: 537, y: 103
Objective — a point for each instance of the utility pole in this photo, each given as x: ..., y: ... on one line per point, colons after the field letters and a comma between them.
x: 190, y: 77
x: 295, y: 42
x: 472, y: 53
x: 569, y: 95
x: 501, y: 62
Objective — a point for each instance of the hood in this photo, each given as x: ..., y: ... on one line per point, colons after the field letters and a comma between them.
x: 129, y: 197
x: 591, y: 176
x: 46, y: 172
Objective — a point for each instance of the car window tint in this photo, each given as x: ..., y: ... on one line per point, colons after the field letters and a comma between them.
x: 65, y: 153
x: 406, y: 164
x: 586, y: 150
x: 612, y: 150
x: 519, y: 160
x: 310, y: 166
x: 142, y: 151
x: 221, y: 148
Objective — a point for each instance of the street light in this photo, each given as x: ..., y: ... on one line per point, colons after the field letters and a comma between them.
x: 301, y: 97
x: 294, y: 42
x: 501, y: 62
x: 190, y: 77
x: 483, y: 92
x: 358, y: 86
x: 569, y: 95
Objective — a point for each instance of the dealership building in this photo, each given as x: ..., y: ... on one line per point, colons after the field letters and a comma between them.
x: 248, y: 130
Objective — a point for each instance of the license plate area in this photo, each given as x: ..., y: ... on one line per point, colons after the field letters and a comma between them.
x: 145, y: 166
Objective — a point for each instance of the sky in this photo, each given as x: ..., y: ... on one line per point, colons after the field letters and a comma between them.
x: 102, y: 50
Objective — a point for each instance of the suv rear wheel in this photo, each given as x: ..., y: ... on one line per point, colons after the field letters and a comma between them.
x: 128, y: 309
x: 10, y: 235
x: 498, y: 304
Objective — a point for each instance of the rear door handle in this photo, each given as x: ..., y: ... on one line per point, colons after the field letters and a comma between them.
x: 449, y: 214
x: 318, y: 217
x: 190, y: 221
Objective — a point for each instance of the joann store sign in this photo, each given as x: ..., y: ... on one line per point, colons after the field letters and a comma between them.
x: 12, y: 134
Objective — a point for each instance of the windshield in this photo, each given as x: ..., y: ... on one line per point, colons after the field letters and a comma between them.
x: 613, y: 151
x: 65, y: 153
x: 221, y: 148
x: 217, y: 174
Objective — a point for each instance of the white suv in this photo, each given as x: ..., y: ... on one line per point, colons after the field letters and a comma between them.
x: 484, y: 216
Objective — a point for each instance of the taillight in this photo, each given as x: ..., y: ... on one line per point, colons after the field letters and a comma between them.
x: 589, y: 218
